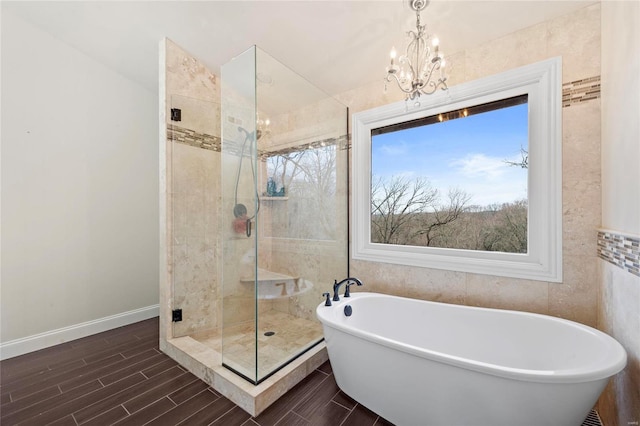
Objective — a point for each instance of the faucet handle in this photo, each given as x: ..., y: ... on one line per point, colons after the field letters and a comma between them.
x: 347, y: 292
x: 328, y: 301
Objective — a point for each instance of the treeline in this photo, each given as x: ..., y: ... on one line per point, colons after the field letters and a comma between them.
x: 410, y: 213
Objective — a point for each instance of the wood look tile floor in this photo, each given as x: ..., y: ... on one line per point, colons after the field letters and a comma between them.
x: 121, y: 377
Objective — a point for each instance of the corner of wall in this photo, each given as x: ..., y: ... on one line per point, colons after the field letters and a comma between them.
x: 619, y: 241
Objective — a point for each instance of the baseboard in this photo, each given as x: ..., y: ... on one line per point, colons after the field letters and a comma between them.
x: 47, y: 339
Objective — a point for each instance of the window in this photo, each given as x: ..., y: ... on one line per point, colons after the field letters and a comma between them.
x: 453, y: 180
x: 468, y: 181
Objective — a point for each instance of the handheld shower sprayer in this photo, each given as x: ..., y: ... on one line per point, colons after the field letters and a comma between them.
x: 242, y: 223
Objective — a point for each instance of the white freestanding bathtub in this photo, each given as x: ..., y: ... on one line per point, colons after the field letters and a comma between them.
x: 421, y: 363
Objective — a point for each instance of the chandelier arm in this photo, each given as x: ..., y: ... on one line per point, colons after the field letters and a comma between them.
x: 427, y: 79
x: 427, y: 59
x: 417, y: 77
x: 408, y: 55
x: 434, y: 86
x: 389, y: 75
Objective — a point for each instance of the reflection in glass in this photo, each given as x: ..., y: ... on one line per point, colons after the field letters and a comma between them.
x: 308, y: 178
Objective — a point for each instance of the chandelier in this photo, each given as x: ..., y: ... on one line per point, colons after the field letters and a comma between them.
x: 420, y: 71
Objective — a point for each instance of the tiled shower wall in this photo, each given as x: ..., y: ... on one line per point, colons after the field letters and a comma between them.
x: 193, y: 193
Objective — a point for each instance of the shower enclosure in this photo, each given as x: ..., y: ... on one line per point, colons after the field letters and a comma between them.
x: 283, y: 228
x: 259, y: 214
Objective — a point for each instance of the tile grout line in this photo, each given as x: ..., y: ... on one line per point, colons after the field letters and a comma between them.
x: 295, y: 405
x: 223, y: 414
x: 106, y: 396
x: 185, y: 421
x: 350, y: 412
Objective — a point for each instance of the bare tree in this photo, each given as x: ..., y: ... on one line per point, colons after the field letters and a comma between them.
x: 408, y: 212
x: 309, y: 178
x: 394, y: 204
x: 496, y: 227
x: 431, y: 225
x: 524, y: 159
x: 511, y: 228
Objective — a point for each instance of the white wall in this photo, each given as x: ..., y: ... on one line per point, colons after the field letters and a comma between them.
x: 621, y: 116
x: 79, y: 187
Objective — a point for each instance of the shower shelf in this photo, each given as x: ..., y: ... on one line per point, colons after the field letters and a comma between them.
x: 274, y: 198
x: 274, y: 285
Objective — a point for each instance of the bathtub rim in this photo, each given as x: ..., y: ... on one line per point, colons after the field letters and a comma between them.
x: 568, y: 376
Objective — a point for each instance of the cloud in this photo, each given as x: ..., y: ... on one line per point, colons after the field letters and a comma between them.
x: 480, y: 166
x: 488, y: 179
x: 504, y: 191
x: 394, y: 149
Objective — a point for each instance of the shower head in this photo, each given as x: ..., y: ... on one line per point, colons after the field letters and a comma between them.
x: 249, y: 134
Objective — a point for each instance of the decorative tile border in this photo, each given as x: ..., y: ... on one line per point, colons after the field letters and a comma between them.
x: 192, y: 138
x: 342, y: 143
x: 620, y: 250
x: 580, y: 91
x: 573, y: 93
x: 202, y: 140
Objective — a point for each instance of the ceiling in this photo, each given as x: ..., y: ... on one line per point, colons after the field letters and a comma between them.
x: 337, y: 45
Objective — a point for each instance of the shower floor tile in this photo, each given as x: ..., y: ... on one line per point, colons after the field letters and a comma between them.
x: 292, y: 336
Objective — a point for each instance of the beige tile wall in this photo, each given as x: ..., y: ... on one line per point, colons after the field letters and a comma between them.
x: 193, y: 196
x: 576, y: 38
x: 620, y: 317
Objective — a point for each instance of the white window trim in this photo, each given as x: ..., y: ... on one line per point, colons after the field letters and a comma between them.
x: 542, y: 82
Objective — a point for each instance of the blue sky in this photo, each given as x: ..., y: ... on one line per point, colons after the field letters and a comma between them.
x: 468, y: 153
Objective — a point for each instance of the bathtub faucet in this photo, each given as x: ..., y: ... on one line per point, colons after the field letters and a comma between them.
x: 336, y: 286
x: 349, y: 284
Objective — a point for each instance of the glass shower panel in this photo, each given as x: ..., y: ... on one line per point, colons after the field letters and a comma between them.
x: 298, y: 197
x: 302, y: 240
x: 194, y: 130
x: 240, y: 220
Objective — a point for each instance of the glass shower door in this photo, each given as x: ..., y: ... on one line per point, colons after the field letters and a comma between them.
x: 194, y: 131
x: 284, y: 211
x: 240, y: 221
